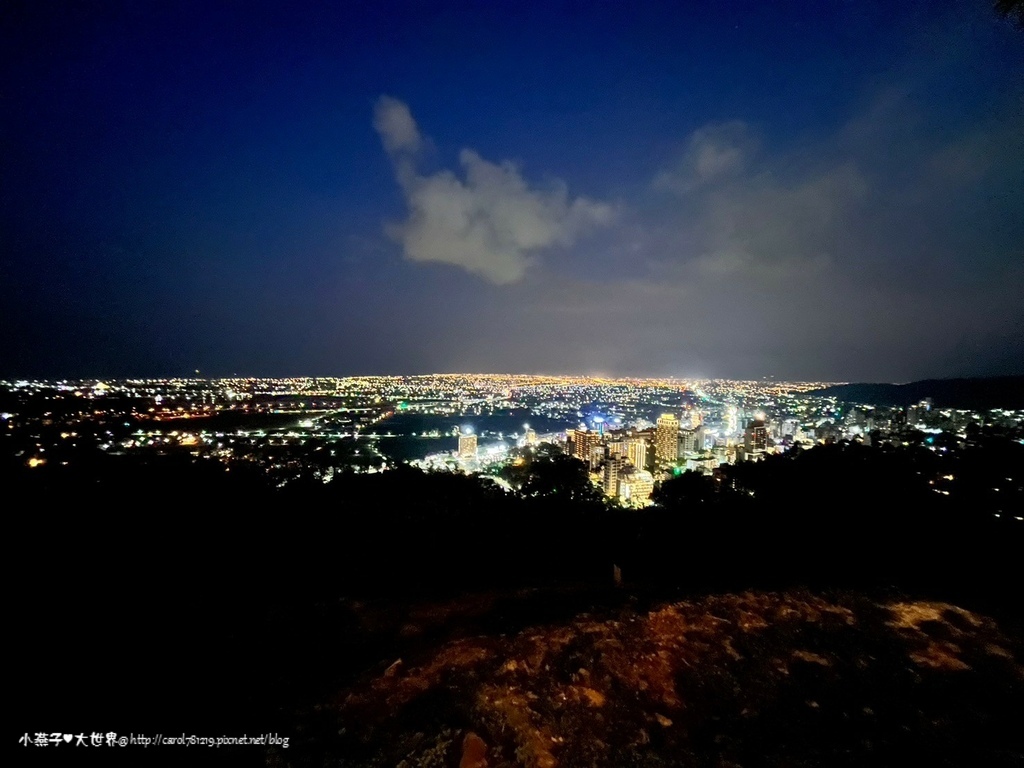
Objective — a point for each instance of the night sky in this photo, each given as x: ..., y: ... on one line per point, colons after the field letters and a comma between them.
x: 821, y: 190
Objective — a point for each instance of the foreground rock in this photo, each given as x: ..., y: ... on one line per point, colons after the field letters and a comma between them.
x: 788, y: 679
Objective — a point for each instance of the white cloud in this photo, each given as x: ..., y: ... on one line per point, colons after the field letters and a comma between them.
x: 737, y: 211
x: 395, y: 124
x: 714, y: 152
x: 489, y: 221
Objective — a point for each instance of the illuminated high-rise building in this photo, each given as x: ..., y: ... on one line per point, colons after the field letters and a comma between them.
x: 583, y: 442
x: 467, y: 445
x: 691, y: 441
x: 530, y: 435
x: 666, y: 439
x: 636, y: 452
x: 755, y: 437
x: 613, y: 466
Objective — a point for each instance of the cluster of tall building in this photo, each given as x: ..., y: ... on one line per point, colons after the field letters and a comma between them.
x: 627, y: 463
x: 619, y: 462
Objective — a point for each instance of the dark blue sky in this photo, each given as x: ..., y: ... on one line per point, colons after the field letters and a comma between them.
x: 826, y: 190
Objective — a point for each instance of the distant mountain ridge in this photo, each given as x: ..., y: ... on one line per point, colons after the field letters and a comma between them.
x: 967, y: 394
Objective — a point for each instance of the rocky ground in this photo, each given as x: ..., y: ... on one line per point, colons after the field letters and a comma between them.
x: 766, y: 679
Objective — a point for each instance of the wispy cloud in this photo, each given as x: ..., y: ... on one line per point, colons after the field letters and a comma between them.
x: 394, y: 122
x: 715, y: 152
x: 867, y: 251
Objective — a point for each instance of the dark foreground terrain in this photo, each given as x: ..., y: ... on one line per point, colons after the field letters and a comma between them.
x: 844, y: 605
x: 758, y: 678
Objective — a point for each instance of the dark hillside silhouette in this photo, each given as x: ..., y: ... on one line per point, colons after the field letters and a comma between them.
x: 966, y: 394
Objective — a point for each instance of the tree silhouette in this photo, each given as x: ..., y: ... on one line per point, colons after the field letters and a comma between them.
x: 1011, y: 9
x: 690, y: 491
x: 563, y: 477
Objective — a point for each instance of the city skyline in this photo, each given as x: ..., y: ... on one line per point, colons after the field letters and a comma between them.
x: 630, y: 436
x: 817, y: 193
